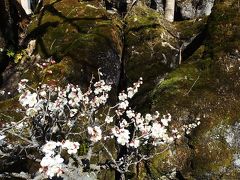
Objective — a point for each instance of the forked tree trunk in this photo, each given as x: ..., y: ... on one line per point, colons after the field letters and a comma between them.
x: 169, y: 10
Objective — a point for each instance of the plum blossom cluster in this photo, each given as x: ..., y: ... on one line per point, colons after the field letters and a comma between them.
x: 69, y: 111
x: 124, y: 97
x: 147, y: 129
x: 57, y: 103
x: 52, y: 163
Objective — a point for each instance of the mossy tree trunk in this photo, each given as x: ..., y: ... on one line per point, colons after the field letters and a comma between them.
x: 169, y: 10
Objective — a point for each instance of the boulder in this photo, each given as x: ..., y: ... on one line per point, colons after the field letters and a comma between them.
x: 82, y: 33
x: 206, y: 87
x: 151, y: 47
x: 191, y: 9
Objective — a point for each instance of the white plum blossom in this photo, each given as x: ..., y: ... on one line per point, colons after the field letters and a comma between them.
x: 71, y: 147
x: 123, y: 135
x: 130, y: 92
x: 49, y: 147
x: 107, y: 88
x: 52, y: 163
x: 98, y: 100
x: 122, y: 96
x: 31, y: 112
x: 134, y: 143
x: 145, y: 130
x: 28, y: 99
x: 148, y: 117
x: 74, y: 113
x: 95, y: 133
x: 52, y: 166
x: 130, y: 114
x: 101, y: 87
x: 166, y: 119
x: 157, y: 130
x: 123, y: 105
x: 47, y: 161
x: 108, y: 119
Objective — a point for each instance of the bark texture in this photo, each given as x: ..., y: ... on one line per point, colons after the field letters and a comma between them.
x: 169, y: 10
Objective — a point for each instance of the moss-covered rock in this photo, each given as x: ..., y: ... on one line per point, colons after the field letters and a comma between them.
x: 81, y: 32
x: 224, y: 44
x: 190, y: 92
x: 151, y: 47
x: 207, y: 87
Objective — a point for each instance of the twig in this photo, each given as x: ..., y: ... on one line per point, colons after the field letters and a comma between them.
x: 52, y: 44
x: 192, y: 86
x: 7, y: 128
x: 21, y: 175
x: 25, y: 139
x: 113, y: 160
x: 180, y: 54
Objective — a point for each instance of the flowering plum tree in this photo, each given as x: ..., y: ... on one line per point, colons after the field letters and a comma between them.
x: 58, y: 121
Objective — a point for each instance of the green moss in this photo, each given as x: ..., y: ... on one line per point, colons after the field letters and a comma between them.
x: 62, y: 29
x: 190, y: 28
x: 212, y: 158
x: 143, y: 17
x: 145, y: 53
x: 186, y: 79
x: 159, y: 164
x: 224, y: 28
x: 8, y: 112
x: 61, y: 73
x: 212, y: 154
x: 191, y: 91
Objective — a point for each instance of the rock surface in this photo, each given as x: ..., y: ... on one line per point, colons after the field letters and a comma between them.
x: 82, y: 33
x: 191, y: 9
x: 207, y: 87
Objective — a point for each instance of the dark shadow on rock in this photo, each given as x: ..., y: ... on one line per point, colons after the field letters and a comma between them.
x: 194, y: 44
x: 153, y: 5
x: 178, y: 14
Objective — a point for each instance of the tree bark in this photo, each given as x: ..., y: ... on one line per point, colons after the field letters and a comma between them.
x: 169, y: 10
x: 11, y: 16
x: 26, y: 4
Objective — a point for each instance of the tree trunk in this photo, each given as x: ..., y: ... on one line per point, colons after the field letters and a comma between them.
x: 11, y: 16
x: 26, y: 4
x: 169, y: 10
